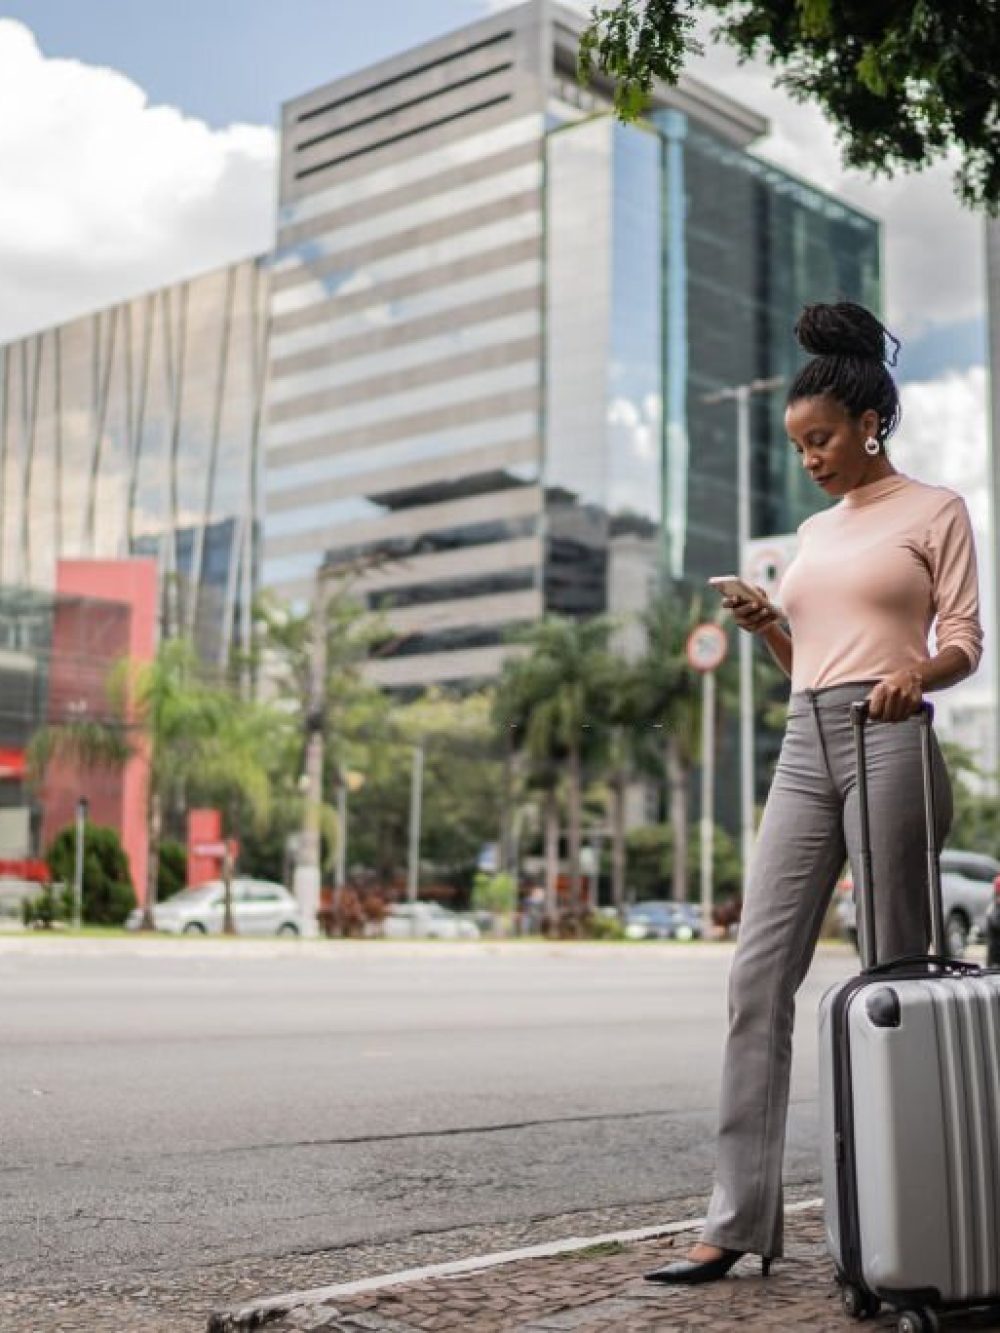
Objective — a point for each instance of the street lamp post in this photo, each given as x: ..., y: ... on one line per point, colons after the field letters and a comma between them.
x: 741, y: 393
x: 306, y: 879
x: 81, y: 833
x: 350, y: 781
x: 416, y: 794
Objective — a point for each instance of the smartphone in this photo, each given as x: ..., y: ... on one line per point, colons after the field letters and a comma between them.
x: 731, y: 585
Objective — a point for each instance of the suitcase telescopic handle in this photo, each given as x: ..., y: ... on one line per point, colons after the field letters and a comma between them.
x: 868, y: 949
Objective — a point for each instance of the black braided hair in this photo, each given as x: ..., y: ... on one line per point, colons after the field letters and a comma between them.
x: 848, y: 349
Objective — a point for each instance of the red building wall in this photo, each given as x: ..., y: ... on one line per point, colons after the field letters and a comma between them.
x: 88, y: 637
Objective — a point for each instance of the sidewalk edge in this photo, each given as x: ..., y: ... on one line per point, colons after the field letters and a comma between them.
x: 258, y: 1313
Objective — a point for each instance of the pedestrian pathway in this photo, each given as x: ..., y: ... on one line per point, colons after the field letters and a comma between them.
x: 598, y: 1288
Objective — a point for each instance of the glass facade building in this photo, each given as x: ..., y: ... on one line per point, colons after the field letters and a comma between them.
x: 676, y: 265
x: 134, y: 431
x: 495, y: 316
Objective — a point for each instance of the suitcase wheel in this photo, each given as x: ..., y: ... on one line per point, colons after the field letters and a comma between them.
x: 857, y: 1303
x: 918, y: 1321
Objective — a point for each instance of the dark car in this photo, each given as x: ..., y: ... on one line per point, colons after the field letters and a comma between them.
x: 662, y: 919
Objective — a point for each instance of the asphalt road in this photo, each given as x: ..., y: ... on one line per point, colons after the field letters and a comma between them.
x: 170, y: 1106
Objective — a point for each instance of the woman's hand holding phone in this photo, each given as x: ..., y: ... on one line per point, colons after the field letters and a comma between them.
x: 751, y: 607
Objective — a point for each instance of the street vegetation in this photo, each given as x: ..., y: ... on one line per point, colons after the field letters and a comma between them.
x: 904, y: 84
x: 545, y: 768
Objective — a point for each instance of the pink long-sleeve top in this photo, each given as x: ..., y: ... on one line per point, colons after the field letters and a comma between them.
x: 870, y: 577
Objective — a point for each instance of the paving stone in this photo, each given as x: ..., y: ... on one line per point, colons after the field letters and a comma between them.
x: 593, y: 1293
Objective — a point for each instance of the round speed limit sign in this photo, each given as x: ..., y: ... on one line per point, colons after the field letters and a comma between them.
x: 706, y: 647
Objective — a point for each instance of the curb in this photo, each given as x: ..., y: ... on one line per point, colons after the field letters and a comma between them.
x: 258, y: 1313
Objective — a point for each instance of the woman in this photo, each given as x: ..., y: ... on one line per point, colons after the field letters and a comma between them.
x: 870, y: 576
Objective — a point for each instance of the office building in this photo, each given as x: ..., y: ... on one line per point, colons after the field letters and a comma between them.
x: 135, y: 431
x: 495, y: 315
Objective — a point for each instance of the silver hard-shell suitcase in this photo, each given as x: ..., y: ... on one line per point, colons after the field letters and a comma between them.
x: 910, y: 1112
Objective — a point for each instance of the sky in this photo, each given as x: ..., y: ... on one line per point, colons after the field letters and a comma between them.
x: 138, y: 143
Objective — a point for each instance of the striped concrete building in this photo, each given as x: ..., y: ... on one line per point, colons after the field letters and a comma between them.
x: 494, y: 314
x: 407, y: 342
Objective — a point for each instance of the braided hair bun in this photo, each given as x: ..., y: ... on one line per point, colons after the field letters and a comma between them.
x: 848, y: 347
x: 844, y: 329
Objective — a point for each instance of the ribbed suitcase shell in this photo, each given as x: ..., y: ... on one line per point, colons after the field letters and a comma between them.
x: 924, y: 1105
x: 910, y: 1106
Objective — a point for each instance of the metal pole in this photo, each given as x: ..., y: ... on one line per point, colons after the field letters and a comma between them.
x: 416, y: 785
x: 707, y: 797
x: 742, y: 393
x: 306, y: 880
x: 341, y: 871
x: 993, y: 472
x: 81, y: 833
x: 746, y: 640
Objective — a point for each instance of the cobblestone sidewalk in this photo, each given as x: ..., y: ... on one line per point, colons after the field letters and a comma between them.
x: 601, y: 1289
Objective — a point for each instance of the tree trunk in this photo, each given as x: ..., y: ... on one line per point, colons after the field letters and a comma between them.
x: 228, y: 924
x: 618, y: 842
x: 677, y: 779
x: 619, y: 780
x: 575, y: 895
x: 551, y: 859
x: 506, y: 787
x: 152, y: 858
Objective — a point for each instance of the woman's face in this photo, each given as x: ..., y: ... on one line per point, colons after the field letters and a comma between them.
x: 831, y: 443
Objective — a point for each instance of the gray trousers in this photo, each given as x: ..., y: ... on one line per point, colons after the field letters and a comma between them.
x: 810, y: 824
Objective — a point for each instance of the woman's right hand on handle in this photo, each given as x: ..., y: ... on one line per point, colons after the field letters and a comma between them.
x: 752, y: 616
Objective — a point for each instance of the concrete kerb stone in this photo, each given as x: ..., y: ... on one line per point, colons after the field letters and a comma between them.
x: 259, y: 1313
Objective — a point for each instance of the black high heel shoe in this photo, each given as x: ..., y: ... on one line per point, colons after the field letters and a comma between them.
x: 689, y: 1272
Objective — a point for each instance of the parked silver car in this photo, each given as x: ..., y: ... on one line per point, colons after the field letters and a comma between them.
x: 407, y: 921
x: 260, y: 907
x: 968, y: 881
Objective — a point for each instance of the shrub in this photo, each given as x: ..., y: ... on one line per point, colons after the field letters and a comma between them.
x: 494, y: 893
x: 108, y: 895
x: 650, y: 862
x: 44, y: 909
x: 598, y: 926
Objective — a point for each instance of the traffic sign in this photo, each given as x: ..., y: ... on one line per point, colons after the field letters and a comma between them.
x: 706, y: 646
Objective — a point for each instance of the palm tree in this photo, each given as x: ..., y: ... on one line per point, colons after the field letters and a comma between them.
x: 555, y: 697
x: 665, y: 694
x: 195, y: 736
x: 239, y: 744
x: 620, y: 756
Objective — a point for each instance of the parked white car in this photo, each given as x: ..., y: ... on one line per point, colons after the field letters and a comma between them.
x: 260, y: 907
x: 407, y: 921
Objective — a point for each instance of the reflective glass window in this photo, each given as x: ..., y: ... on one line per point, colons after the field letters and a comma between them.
x: 316, y: 252
x: 385, y: 311
x: 420, y: 166
x: 467, y: 388
x: 461, y: 339
x: 418, y: 448
x: 361, y: 276
x: 448, y: 589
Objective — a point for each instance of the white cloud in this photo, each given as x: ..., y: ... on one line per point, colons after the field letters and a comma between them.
x: 943, y: 440
x: 105, y: 196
